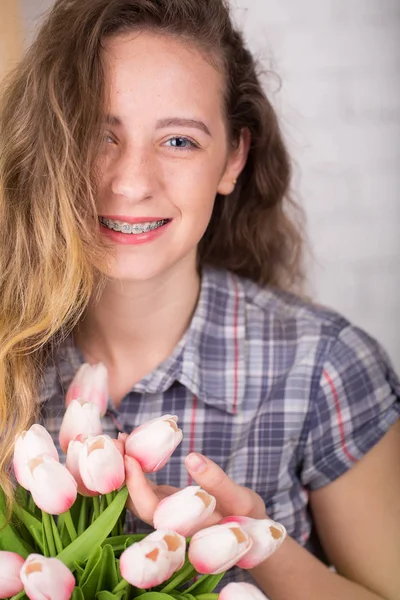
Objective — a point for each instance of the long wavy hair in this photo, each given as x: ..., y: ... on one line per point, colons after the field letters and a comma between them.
x: 51, y: 109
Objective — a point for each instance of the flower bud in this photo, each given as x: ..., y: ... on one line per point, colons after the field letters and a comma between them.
x: 184, y: 511
x: 101, y: 465
x: 153, y: 443
x: 241, y: 591
x: 46, y: 578
x: 28, y: 445
x: 52, y: 486
x: 266, y: 536
x: 10, y: 581
x: 153, y: 560
x: 91, y: 385
x: 72, y: 464
x: 218, y: 548
x: 80, y: 418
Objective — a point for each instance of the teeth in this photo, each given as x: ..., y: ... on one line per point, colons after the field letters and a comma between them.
x: 134, y: 229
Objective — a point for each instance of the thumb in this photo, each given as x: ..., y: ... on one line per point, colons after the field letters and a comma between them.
x: 232, y: 498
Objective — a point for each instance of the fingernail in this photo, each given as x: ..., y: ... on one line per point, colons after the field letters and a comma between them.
x: 196, y: 462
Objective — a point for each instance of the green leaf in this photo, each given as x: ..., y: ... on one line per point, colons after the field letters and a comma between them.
x: 38, y: 538
x: 10, y: 540
x: 90, y: 577
x: 75, y: 510
x: 104, y: 595
x: 79, y: 570
x: 94, y: 535
x: 77, y: 594
x: 121, y: 542
x: 205, y: 584
x: 156, y: 596
x: 28, y: 519
x: 108, y: 578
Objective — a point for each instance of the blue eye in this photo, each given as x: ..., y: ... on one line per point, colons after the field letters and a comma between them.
x: 181, y: 143
x: 108, y: 139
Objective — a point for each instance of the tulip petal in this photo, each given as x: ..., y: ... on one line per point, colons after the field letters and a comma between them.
x: 184, y: 511
x: 28, y: 445
x: 241, y: 591
x: 72, y: 464
x: 175, y: 544
x: 229, y: 543
x: 52, y: 486
x: 146, y: 564
x: 81, y: 418
x: 153, y: 443
x: 90, y: 384
x: 101, y: 465
x: 10, y: 581
x: 46, y: 578
x: 266, y: 536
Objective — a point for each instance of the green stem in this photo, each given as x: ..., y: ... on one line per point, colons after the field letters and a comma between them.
x: 211, y: 596
x: 48, y: 532
x: 56, y: 536
x: 123, y: 585
x: 82, y: 516
x: 186, y: 573
x: 70, y: 526
x: 96, y: 507
x: 19, y: 596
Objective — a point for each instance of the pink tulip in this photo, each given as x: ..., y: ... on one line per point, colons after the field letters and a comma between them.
x: 72, y: 464
x: 153, y: 560
x: 91, y: 385
x: 266, y: 536
x: 153, y: 443
x: 176, y: 544
x: 52, y: 486
x: 28, y: 445
x: 241, y: 591
x: 46, y: 579
x: 81, y: 417
x: 101, y: 465
x: 185, y: 511
x: 218, y: 548
x: 10, y: 581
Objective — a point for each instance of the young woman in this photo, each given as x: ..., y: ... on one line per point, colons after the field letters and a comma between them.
x: 145, y: 225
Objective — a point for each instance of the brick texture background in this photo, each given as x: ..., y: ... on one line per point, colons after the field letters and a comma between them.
x: 339, y: 104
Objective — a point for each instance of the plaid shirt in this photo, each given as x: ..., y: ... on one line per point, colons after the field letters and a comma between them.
x: 284, y: 395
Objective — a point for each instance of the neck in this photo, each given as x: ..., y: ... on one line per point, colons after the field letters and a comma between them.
x: 139, y: 322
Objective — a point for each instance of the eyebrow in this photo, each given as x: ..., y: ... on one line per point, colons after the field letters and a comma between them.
x: 163, y: 123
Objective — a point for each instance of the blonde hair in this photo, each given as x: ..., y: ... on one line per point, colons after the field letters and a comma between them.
x: 50, y: 126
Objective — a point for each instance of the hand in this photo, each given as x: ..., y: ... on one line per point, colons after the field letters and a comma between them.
x: 232, y: 499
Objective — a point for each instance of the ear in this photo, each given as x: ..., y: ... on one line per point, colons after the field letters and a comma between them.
x: 235, y: 163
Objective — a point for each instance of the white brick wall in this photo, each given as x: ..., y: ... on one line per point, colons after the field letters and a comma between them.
x: 339, y: 61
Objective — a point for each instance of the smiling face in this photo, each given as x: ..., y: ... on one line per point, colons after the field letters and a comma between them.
x: 165, y: 154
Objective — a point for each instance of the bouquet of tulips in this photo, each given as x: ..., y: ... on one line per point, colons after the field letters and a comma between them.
x: 66, y: 536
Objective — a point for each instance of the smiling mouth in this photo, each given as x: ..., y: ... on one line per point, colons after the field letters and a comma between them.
x: 132, y: 228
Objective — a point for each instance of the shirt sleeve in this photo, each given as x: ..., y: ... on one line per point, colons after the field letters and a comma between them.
x: 358, y: 400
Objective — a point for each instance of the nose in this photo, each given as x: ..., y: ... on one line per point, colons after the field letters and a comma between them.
x: 133, y: 174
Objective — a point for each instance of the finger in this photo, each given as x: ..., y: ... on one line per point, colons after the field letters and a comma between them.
x: 232, y: 499
x: 143, y: 499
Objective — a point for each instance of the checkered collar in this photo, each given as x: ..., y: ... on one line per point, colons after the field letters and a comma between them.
x: 217, y: 330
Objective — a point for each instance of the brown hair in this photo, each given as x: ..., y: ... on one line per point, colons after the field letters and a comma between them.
x: 50, y: 115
